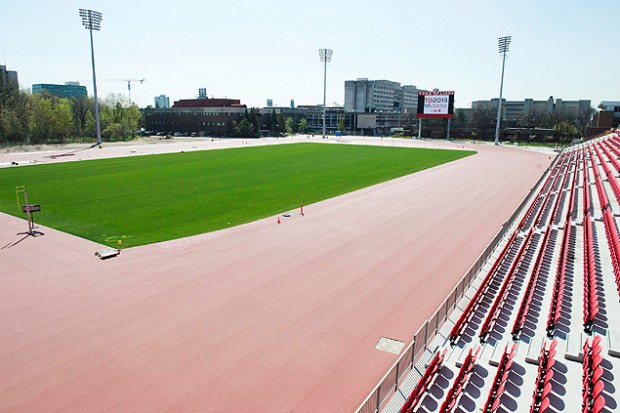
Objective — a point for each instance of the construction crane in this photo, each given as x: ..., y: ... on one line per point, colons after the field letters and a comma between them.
x: 128, y: 84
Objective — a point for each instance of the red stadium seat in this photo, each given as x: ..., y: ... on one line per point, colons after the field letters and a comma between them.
x: 544, y: 406
x: 546, y: 390
x: 597, y: 374
x: 597, y: 389
x: 596, y: 361
x: 598, y: 405
x: 495, y: 406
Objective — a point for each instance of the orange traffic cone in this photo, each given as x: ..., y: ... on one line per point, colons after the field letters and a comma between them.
x: 278, y: 219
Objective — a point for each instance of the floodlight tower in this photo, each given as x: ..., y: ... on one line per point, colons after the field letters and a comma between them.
x: 503, y: 43
x: 326, y: 56
x: 92, y: 21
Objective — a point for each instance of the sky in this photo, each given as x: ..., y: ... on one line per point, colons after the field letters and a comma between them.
x: 259, y: 50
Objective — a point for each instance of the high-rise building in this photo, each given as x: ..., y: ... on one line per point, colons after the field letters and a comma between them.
x: 269, y: 103
x: 162, y: 102
x: 410, y: 98
x: 68, y: 90
x: 363, y: 95
x: 202, y: 93
x: 8, y: 78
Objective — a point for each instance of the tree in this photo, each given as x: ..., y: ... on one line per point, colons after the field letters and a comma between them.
x: 483, y: 116
x: 582, y: 120
x: 120, y: 119
x: 410, y: 121
x: 50, y: 119
x: 302, y: 125
x: 288, y: 125
x: 253, y: 119
x: 341, y: 124
x: 80, y: 107
x: 280, y: 124
x: 543, y: 119
x: 460, y: 119
x: 9, y: 125
x: 273, y: 121
x: 243, y: 128
x: 566, y: 131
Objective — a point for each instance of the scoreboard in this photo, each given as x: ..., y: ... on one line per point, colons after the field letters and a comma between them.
x: 436, y: 104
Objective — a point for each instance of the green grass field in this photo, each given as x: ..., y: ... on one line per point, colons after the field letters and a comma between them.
x: 146, y: 199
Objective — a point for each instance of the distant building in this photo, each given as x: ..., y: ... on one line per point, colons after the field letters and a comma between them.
x: 363, y: 95
x: 162, y: 102
x: 68, y: 90
x: 8, y: 78
x: 292, y: 103
x: 204, y: 116
x: 208, y: 103
x: 522, y: 110
x: 314, y: 116
x: 269, y: 103
x: 608, y: 116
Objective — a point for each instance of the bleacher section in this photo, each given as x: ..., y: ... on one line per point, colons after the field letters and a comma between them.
x: 539, y: 328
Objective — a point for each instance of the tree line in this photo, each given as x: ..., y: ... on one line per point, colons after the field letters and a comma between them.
x: 40, y: 118
x: 564, y: 124
x: 276, y: 123
x: 560, y: 126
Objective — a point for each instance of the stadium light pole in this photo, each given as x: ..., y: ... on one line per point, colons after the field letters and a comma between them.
x: 92, y: 21
x: 326, y: 56
x: 503, y: 43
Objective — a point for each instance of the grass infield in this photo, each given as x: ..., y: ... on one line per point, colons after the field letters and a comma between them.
x: 146, y: 199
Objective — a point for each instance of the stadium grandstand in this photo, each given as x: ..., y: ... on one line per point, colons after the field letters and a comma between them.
x: 536, y: 326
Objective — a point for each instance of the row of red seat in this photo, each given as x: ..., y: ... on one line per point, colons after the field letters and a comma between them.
x: 607, y: 147
x: 593, y: 384
x: 610, y: 176
x: 557, y: 177
x: 531, y: 286
x: 500, y: 298
x: 559, y: 198
x: 611, y: 230
x: 613, y: 242
x: 537, y: 199
x: 460, y: 382
x: 420, y: 389
x: 543, y: 386
x: 460, y: 324
x: 499, y: 381
x: 560, y: 172
x: 557, y: 294
x: 545, y: 244
x: 590, y: 298
x: 616, y: 141
x: 598, y: 182
x: 587, y: 203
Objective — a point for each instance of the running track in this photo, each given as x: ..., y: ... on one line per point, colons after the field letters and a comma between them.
x: 261, y: 317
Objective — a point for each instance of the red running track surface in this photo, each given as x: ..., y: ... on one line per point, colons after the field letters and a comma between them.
x: 261, y: 317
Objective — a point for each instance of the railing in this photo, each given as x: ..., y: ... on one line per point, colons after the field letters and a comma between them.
x: 391, y: 380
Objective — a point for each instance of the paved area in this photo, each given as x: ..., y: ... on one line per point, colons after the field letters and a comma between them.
x: 262, y: 317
